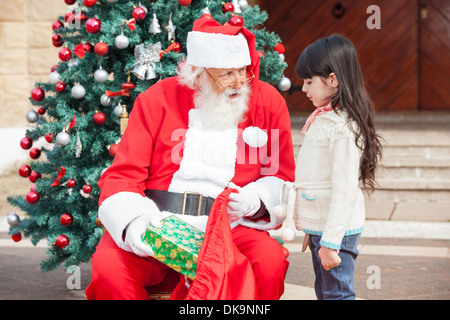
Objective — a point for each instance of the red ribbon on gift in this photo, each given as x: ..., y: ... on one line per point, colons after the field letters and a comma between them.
x: 61, y: 174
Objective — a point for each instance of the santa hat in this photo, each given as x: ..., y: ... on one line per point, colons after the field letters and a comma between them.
x: 212, y: 45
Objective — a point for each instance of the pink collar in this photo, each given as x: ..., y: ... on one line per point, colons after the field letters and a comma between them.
x: 318, y: 112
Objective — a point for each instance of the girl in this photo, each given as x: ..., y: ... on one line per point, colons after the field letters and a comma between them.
x: 340, y: 149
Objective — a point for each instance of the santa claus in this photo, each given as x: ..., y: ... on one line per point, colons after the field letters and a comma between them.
x: 213, y: 127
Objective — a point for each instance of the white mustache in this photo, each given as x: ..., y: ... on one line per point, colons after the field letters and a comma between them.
x: 230, y: 91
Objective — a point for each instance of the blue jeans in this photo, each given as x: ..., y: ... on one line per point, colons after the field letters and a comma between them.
x: 337, y: 283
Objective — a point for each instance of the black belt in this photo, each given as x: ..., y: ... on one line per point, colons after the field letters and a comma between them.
x: 190, y: 203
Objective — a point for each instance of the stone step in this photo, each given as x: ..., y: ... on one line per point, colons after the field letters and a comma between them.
x: 416, y: 157
x: 411, y: 189
x: 422, y: 152
x: 403, y: 195
x: 434, y: 173
x: 420, y: 184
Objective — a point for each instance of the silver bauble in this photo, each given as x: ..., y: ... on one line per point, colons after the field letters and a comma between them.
x: 78, y: 91
x: 284, y: 84
x: 105, y: 100
x: 101, y: 75
x: 282, y: 57
x: 243, y: 4
x: 121, y: 41
x: 118, y: 110
x: 13, y: 219
x: 53, y: 77
x: 63, y: 139
x: 32, y: 116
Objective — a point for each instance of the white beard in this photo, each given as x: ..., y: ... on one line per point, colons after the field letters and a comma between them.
x: 219, y: 110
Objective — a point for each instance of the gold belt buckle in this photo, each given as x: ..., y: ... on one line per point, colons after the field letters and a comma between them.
x: 183, y: 211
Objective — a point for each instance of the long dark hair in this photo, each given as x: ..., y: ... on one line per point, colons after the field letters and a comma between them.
x: 337, y: 54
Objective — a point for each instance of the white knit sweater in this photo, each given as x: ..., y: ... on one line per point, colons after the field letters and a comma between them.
x: 328, y: 200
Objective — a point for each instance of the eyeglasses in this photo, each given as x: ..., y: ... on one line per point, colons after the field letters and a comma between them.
x: 234, y: 84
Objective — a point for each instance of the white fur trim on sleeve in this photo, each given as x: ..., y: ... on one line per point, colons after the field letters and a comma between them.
x: 118, y: 210
x: 268, y: 189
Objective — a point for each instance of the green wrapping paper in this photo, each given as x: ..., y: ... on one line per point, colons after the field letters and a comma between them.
x: 176, y: 244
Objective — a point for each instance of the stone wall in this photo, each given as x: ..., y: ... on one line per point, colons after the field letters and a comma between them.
x: 26, y: 53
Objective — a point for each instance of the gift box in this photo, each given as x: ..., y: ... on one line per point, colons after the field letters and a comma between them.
x: 176, y: 244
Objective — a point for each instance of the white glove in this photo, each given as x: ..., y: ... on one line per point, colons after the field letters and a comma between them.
x: 136, y: 229
x: 243, y: 204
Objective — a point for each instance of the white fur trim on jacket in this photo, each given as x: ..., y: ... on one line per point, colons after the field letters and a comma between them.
x: 215, y: 50
x: 268, y: 189
x: 209, y: 159
x: 118, y: 210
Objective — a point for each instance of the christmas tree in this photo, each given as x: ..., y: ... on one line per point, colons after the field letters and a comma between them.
x: 111, y: 51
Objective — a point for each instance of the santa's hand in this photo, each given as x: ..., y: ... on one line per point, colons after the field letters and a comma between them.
x: 243, y: 204
x: 134, y: 232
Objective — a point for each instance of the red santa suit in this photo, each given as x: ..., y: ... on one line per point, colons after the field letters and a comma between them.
x: 166, y: 146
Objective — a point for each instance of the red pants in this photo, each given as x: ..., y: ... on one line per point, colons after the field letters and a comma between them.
x: 117, y: 274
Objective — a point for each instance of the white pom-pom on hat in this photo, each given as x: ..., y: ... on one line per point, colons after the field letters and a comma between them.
x: 255, y: 137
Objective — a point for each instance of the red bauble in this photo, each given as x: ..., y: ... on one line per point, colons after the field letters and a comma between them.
x: 35, y: 153
x: 26, y: 143
x: 66, y: 219
x: 260, y: 53
x: 138, y: 13
x: 62, y: 241
x: 65, y: 54
x: 25, y: 170
x: 68, y: 15
x: 89, y: 3
x: 285, y: 252
x: 41, y: 110
x: 71, y: 183
x: 279, y: 48
x: 32, y: 197
x: 101, y: 48
x: 99, y: 118
x: 69, y: 2
x: 34, y: 176
x: 16, y: 237
x: 207, y: 16
x: 184, y: 2
x: 93, y: 25
x: 57, y: 40
x: 228, y: 7
x: 113, y: 149
x: 87, y: 188
x: 237, y: 21
x: 37, y: 94
x: 49, y: 137
x: 60, y: 86
x: 56, y: 25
